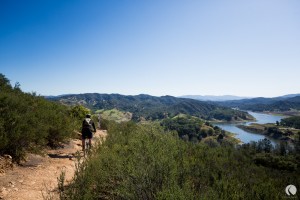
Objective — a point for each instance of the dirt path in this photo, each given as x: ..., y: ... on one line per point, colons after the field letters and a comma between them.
x: 39, y: 174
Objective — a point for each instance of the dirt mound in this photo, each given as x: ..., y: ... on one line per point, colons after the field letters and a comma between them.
x: 37, y: 177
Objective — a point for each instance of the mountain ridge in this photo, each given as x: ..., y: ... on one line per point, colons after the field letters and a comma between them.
x: 232, y: 97
x: 214, y: 97
x: 151, y: 107
x: 265, y: 104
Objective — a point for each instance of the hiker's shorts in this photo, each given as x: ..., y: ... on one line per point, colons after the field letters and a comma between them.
x: 87, y: 133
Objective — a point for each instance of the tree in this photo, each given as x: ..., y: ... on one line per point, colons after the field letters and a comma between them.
x: 282, y: 148
x: 29, y: 122
x: 297, y: 144
x: 79, y: 111
x: 265, y: 145
x: 4, y: 84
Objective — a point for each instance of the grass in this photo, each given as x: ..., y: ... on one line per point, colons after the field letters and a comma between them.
x: 115, y: 115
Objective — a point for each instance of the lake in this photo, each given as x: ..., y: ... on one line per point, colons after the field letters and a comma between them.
x: 246, y: 136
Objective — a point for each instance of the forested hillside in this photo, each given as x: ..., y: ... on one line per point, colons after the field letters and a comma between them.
x: 195, y: 130
x: 291, y: 122
x: 150, y: 107
x: 265, y: 104
x: 28, y: 122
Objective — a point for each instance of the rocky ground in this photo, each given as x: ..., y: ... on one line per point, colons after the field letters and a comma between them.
x: 37, y: 178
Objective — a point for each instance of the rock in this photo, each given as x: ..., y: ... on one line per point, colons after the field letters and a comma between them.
x: 12, y: 184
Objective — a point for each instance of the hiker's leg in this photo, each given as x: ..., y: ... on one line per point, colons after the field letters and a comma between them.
x: 83, y: 144
x: 90, y: 142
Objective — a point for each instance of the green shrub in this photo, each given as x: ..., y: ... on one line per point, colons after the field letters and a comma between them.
x: 29, y: 122
x: 147, y: 162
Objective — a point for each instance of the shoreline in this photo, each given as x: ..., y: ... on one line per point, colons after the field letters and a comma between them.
x: 279, y: 113
x: 278, y: 135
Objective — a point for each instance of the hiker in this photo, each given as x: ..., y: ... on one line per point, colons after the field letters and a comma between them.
x: 87, y: 127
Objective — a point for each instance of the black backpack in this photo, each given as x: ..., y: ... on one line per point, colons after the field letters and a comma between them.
x: 87, y: 123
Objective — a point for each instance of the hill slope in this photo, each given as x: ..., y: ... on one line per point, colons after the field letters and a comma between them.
x: 265, y: 104
x: 213, y: 97
x: 151, y: 107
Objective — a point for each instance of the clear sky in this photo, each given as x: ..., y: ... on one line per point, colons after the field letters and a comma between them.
x: 156, y: 47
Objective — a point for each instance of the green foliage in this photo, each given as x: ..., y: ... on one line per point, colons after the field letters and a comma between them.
x: 228, y: 115
x: 77, y: 113
x: 146, y: 162
x: 29, y: 122
x: 185, y: 126
x: 105, y: 123
x: 291, y: 122
x: 276, y: 162
x: 193, y: 129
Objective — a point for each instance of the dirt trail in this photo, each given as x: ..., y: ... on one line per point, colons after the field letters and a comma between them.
x: 39, y: 174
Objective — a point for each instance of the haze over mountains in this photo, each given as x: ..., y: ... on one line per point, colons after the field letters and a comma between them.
x: 281, y: 103
x: 285, y: 103
x: 214, y: 97
x: 230, y: 97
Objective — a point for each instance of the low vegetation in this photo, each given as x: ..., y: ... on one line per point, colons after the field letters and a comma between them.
x: 178, y: 157
x: 148, y: 162
x: 28, y: 122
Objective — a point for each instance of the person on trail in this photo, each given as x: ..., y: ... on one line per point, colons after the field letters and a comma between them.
x: 87, y: 127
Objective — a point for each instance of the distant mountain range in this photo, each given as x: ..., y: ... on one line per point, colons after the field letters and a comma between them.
x: 213, y: 97
x: 150, y: 107
x: 230, y: 97
x: 288, y: 96
x: 283, y: 103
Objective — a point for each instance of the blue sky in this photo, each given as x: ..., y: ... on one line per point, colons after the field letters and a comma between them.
x: 156, y: 47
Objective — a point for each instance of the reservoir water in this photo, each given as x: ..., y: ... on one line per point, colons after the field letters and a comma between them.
x: 246, y: 136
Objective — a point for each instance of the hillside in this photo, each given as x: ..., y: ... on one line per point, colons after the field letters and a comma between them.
x: 145, y: 161
x: 150, y: 107
x: 265, y: 104
x: 213, y: 97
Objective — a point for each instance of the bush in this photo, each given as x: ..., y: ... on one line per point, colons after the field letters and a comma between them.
x: 78, y: 113
x: 29, y: 122
x: 146, y: 162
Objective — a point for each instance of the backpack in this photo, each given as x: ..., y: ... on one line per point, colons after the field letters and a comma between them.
x: 87, y: 123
